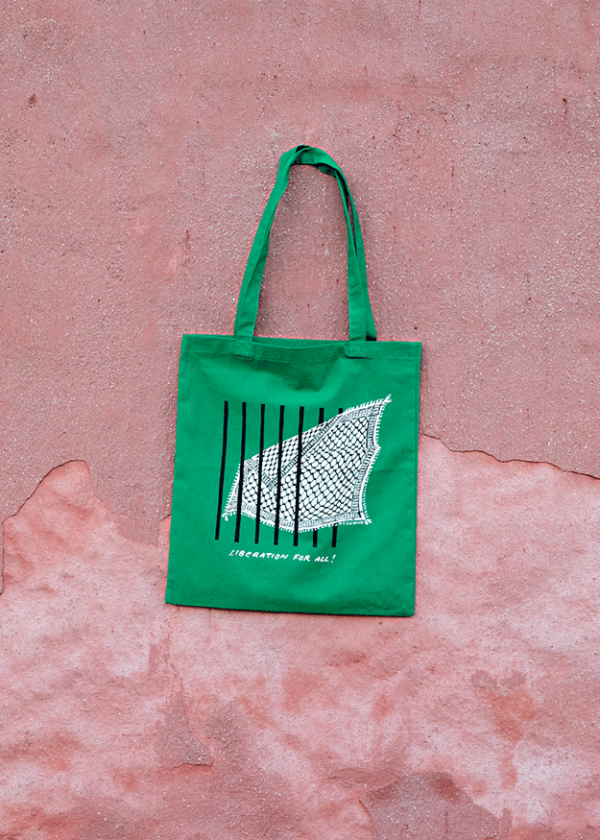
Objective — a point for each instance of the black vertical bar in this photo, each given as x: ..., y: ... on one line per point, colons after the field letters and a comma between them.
x: 298, y: 473
x: 238, y: 521
x: 260, y: 468
x: 316, y: 532
x: 335, y: 527
x: 279, y: 456
x: 222, y: 476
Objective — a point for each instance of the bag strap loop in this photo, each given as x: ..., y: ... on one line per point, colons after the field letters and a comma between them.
x: 361, y: 323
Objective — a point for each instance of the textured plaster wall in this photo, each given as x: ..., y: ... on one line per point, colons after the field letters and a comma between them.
x: 138, y: 143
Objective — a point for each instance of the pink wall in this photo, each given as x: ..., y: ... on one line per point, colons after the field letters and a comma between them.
x: 139, y: 141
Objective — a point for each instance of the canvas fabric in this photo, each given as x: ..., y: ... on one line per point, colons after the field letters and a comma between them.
x: 295, y: 479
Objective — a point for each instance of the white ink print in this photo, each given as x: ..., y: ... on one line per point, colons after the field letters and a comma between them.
x: 336, y: 459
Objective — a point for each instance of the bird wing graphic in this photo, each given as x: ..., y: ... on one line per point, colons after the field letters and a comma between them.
x: 336, y: 459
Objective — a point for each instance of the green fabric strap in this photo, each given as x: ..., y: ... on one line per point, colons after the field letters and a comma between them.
x: 362, y: 325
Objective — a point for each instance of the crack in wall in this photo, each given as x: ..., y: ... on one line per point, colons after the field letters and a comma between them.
x: 509, y: 460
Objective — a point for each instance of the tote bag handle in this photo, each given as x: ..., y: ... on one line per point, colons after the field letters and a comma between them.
x: 361, y: 323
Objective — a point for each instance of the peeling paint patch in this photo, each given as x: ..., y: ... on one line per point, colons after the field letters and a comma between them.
x: 62, y: 513
x: 175, y: 743
x: 66, y: 512
x: 429, y: 806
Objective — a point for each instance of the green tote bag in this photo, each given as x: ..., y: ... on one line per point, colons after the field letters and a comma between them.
x: 295, y: 478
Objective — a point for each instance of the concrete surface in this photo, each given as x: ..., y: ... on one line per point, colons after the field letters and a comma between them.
x: 126, y: 718
x: 138, y: 143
